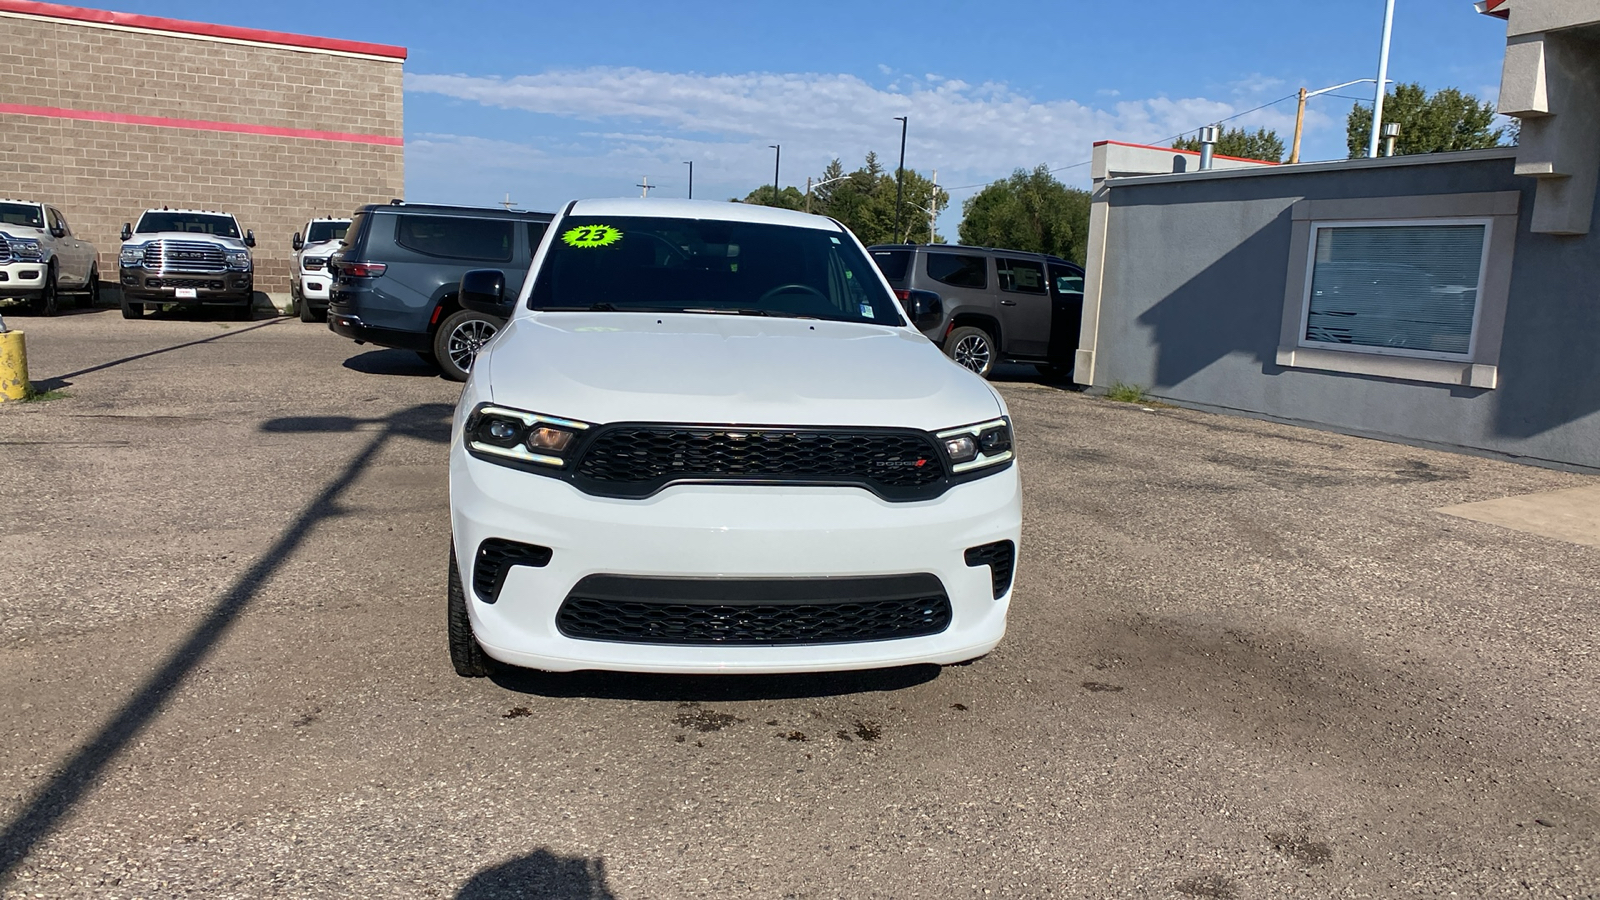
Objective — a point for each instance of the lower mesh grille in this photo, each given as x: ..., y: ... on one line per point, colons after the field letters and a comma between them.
x: 493, y: 563
x: 754, y: 612
x: 1001, y: 558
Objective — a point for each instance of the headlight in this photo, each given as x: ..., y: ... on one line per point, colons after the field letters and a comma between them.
x: 25, y: 249
x: 505, y: 435
x: 239, y: 260
x: 977, y: 446
x: 132, y: 256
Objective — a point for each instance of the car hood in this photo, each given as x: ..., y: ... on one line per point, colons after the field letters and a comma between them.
x: 224, y: 242
x: 23, y: 232
x: 320, y: 248
x: 721, y: 369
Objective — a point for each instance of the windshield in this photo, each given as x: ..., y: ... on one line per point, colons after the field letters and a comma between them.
x: 326, y: 231
x: 21, y: 214
x: 193, y: 223
x: 620, y: 263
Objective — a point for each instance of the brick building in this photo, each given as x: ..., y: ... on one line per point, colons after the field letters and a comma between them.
x: 105, y: 114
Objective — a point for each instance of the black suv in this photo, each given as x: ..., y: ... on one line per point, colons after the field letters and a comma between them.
x: 999, y: 305
x: 395, y: 277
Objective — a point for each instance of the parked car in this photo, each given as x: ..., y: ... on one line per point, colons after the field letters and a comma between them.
x: 395, y: 276
x: 186, y: 257
x: 709, y: 440
x: 999, y: 305
x: 309, y: 279
x: 40, y: 258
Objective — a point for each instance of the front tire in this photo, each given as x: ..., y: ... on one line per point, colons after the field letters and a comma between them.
x: 132, y: 309
x: 466, y: 656
x: 458, y: 340
x: 304, y: 305
x: 49, y: 302
x: 91, y: 291
x: 973, y: 349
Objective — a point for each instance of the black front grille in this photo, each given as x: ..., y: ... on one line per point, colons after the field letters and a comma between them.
x: 638, y: 460
x: 1001, y: 558
x: 204, y: 283
x: 493, y: 563
x: 766, y: 612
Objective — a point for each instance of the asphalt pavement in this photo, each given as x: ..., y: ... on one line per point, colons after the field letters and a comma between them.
x: 1245, y: 661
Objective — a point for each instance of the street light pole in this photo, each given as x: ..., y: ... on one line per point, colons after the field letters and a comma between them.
x: 1300, y: 114
x: 690, y: 164
x: 777, y: 157
x: 900, y: 176
x: 1383, y: 79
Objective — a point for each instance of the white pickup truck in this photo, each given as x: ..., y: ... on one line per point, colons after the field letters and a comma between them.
x: 40, y: 257
x: 186, y: 257
x: 309, y: 281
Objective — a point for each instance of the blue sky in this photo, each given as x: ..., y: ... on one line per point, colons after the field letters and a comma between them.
x: 550, y: 101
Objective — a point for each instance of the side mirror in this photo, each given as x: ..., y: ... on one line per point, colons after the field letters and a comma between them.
x: 127, y: 230
x: 924, y: 308
x: 297, y: 243
x: 484, y: 290
x: 249, y: 238
x: 58, y: 231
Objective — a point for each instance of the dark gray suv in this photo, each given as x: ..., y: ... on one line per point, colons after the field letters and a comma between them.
x: 394, y: 280
x: 999, y: 305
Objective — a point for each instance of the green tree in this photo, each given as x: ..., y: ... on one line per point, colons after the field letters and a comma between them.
x: 1263, y: 143
x: 864, y: 200
x: 1446, y: 120
x: 1029, y: 211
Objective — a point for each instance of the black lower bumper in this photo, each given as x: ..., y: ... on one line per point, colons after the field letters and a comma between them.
x: 226, y: 289
x: 346, y: 325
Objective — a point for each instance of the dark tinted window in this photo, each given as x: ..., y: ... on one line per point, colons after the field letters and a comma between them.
x: 455, y: 238
x: 1020, y: 277
x: 353, y: 233
x: 189, y: 223
x: 1066, y: 281
x: 536, y: 232
x: 326, y: 231
x: 21, y: 214
x: 893, y: 264
x: 626, y: 263
x: 959, y: 269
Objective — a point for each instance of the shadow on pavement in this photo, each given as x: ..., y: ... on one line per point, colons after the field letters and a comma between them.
x: 42, y: 812
x: 708, y: 688
x: 541, y: 875
x: 60, y: 381
x: 391, y: 362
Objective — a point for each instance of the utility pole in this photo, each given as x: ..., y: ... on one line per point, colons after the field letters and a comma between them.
x: 777, y: 157
x: 933, y: 205
x: 1383, y: 79
x: 808, y: 193
x: 690, y: 164
x: 1299, y: 126
x: 900, y: 176
x: 646, y: 185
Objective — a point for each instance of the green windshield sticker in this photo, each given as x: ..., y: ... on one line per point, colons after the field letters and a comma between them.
x: 591, y: 236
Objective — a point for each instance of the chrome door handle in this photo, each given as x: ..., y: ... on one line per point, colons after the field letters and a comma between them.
x: 1008, y: 303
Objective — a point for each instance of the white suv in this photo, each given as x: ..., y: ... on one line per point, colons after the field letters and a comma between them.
x: 708, y: 440
x: 310, y: 280
x: 40, y: 257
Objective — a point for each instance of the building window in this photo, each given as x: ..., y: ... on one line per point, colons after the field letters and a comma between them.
x: 1396, y: 287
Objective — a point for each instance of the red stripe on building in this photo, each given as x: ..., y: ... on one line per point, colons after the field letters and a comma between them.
x: 200, y: 29
x: 85, y: 115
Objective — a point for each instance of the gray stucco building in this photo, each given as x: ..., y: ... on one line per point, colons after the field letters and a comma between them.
x: 1451, y: 299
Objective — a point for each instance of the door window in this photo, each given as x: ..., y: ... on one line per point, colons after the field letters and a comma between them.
x: 959, y: 270
x: 1020, y: 276
x: 455, y: 237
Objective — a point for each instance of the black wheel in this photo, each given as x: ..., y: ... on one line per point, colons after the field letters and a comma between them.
x: 245, y: 313
x: 304, y: 305
x: 465, y: 654
x: 91, y: 291
x: 49, y: 302
x: 458, y: 340
x: 132, y: 309
x: 972, y: 348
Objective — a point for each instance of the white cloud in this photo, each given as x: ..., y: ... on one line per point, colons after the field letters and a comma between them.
x: 645, y: 121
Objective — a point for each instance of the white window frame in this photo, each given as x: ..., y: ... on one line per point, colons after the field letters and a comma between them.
x: 1477, y: 301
